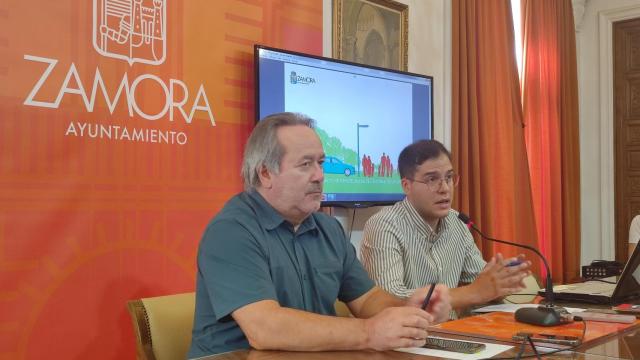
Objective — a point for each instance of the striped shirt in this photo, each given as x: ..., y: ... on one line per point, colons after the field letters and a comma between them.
x: 402, y: 253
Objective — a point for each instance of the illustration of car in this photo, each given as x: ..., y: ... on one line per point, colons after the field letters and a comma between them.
x: 333, y: 165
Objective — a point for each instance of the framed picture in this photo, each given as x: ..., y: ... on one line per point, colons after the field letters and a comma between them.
x: 372, y: 32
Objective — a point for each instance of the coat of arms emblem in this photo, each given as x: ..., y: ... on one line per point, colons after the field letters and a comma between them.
x: 131, y: 30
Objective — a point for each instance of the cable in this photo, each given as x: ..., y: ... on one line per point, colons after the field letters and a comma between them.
x: 513, y: 302
x: 353, y: 219
x: 537, y: 355
x: 533, y: 346
x: 523, y: 343
x: 522, y: 294
x: 584, y: 328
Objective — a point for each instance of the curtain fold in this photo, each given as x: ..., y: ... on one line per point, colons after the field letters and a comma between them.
x: 550, y: 109
x: 488, y: 144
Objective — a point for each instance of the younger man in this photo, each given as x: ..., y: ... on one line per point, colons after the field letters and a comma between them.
x: 420, y: 240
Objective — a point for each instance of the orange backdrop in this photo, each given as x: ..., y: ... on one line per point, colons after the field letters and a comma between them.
x: 91, y: 217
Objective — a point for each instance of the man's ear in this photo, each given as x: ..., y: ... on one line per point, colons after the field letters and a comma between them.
x: 406, y: 185
x: 265, y: 177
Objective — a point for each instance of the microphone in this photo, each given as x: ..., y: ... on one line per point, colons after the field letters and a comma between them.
x: 543, y: 315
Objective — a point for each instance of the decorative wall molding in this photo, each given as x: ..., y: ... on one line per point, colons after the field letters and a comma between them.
x: 578, y: 12
x: 605, y: 29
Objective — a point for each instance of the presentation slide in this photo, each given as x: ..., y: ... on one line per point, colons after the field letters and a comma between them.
x: 355, y: 121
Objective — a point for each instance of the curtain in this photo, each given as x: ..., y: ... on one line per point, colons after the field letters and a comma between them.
x: 550, y: 108
x: 488, y: 145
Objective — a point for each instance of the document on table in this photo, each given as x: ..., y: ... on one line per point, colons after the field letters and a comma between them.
x: 491, y: 350
x: 511, y: 308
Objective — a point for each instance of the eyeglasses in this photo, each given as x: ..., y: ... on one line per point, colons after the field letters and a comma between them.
x: 434, y: 182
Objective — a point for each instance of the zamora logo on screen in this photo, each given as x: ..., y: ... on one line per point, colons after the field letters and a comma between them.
x: 141, y: 40
x: 303, y: 80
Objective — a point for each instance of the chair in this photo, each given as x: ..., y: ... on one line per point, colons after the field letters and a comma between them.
x: 163, y: 326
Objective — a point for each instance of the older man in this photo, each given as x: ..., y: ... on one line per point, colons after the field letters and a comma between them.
x: 270, y: 268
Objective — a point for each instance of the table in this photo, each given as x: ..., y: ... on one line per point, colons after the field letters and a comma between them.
x: 625, y: 345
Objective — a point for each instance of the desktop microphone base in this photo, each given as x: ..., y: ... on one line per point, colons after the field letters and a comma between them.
x: 543, y: 315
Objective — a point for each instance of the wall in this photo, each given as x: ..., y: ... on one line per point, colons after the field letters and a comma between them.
x: 90, y: 221
x: 596, y: 123
x: 429, y: 53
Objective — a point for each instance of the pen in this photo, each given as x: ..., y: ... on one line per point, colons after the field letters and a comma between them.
x: 514, y: 263
x: 425, y: 303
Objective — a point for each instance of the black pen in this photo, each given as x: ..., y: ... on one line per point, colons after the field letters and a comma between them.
x: 425, y: 303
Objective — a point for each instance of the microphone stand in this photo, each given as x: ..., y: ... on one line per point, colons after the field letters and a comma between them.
x: 544, y: 315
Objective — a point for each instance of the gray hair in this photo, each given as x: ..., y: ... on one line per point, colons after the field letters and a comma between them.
x: 263, y: 147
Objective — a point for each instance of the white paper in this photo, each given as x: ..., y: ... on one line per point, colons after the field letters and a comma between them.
x: 511, y: 308
x: 490, y: 351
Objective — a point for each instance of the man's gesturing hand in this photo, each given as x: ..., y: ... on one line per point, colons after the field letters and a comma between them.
x: 498, y: 279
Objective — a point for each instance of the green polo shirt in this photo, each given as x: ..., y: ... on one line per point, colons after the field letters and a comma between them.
x: 250, y: 253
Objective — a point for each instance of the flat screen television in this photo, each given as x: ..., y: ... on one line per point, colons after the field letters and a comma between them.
x: 364, y: 117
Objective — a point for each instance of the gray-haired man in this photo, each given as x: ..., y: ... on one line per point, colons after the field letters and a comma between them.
x: 270, y: 267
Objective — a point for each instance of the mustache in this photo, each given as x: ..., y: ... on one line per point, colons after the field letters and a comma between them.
x: 315, y: 188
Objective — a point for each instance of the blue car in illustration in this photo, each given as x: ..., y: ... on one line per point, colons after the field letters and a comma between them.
x: 333, y: 165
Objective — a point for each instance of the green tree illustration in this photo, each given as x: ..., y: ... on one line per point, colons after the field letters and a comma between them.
x: 333, y: 147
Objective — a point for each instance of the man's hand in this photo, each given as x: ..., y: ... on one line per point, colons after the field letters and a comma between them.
x: 498, y: 279
x: 440, y: 304
x: 397, y: 327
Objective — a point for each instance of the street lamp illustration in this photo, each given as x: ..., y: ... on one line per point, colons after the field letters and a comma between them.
x: 358, y: 142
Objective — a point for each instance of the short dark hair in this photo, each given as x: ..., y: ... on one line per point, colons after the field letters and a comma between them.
x: 417, y: 153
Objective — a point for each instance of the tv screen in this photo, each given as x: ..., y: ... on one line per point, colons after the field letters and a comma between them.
x: 364, y: 117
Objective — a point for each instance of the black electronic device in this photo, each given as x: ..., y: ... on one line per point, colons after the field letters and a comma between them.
x: 543, y: 315
x: 602, y: 269
x: 364, y: 117
x: 625, y: 290
x: 467, y: 347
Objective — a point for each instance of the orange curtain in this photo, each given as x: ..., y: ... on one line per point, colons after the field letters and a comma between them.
x: 550, y: 108
x: 488, y: 146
